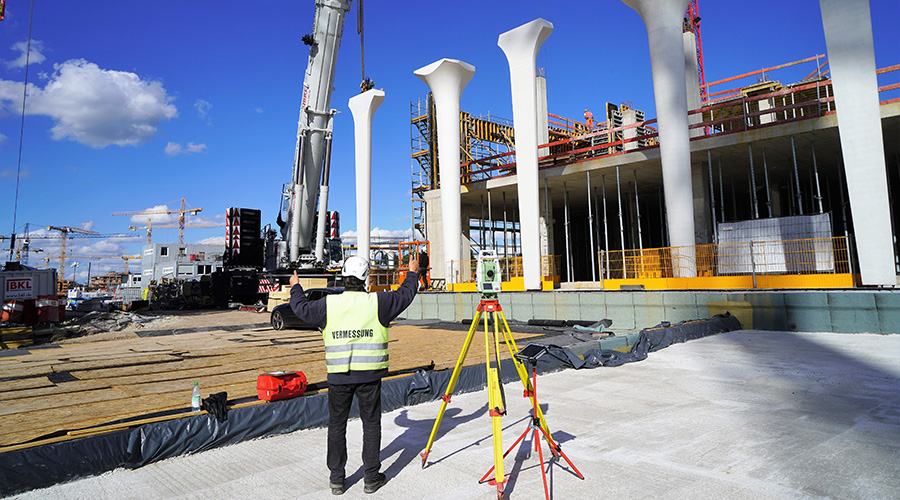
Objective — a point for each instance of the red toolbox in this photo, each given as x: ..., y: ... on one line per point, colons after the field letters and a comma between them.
x: 280, y: 385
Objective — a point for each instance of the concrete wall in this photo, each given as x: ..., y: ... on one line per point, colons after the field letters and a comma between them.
x: 813, y: 311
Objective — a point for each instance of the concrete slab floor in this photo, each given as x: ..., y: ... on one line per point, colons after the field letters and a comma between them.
x: 747, y: 414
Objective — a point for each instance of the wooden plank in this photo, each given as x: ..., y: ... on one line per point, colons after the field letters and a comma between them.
x: 24, y: 384
x: 164, y: 369
x: 55, y: 401
x: 21, y: 427
x: 34, y: 371
x: 54, y: 389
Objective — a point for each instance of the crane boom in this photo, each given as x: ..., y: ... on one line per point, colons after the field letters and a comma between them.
x: 314, y: 129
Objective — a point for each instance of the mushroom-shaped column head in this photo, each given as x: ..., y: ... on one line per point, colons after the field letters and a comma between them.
x: 664, y: 22
x: 363, y: 107
x: 521, y: 46
x: 447, y: 78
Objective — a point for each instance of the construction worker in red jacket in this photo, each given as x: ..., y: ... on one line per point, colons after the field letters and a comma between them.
x: 355, y: 330
x: 589, y: 120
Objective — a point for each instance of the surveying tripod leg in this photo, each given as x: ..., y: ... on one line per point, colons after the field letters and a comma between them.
x: 451, y: 385
x: 526, y: 383
x: 496, y: 410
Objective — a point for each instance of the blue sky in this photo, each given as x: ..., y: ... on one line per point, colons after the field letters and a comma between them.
x: 135, y: 104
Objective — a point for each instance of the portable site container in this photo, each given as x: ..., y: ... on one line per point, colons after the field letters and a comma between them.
x: 27, y: 285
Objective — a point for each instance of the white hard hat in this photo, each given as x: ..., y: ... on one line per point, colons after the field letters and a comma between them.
x: 357, y: 267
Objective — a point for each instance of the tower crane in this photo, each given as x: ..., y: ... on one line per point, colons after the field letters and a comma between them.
x: 125, y: 257
x: 192, y: 211
x: 64, y: 232
x: 149, y: 227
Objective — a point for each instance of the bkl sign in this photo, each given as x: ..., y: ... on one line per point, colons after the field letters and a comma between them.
x: 19, y: 288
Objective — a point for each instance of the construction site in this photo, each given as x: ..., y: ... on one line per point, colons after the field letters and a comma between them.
x: 690, y: 280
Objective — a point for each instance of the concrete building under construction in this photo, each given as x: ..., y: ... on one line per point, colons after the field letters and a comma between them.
x: 765, y: 184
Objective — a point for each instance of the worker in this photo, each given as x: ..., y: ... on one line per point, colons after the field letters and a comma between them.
x: 589, y: 120
x: 367, y: 84
x: 423, y: 269
x: 355, y: 329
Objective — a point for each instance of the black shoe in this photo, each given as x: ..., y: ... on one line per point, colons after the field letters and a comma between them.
x: 337, y: 488
x: 378, y: 483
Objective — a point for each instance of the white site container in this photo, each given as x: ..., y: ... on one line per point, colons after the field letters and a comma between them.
x: 27, y: 285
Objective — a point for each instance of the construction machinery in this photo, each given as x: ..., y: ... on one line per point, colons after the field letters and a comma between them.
x: 167, y: 211
x: 299, y: 246
x: 307, y: 238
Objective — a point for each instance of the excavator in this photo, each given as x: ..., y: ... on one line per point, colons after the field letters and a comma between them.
x: 296, y: 244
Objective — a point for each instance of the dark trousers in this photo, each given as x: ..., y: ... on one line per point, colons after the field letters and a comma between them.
x: 368, y: 396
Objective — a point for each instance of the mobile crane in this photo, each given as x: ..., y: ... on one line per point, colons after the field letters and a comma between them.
x: 296, y: 245
x: 309, y: 183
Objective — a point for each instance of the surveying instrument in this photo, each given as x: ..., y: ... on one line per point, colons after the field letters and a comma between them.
x: 487, y: 276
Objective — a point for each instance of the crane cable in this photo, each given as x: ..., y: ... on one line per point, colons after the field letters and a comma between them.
x: 359, y: 29
x: 21, y: 133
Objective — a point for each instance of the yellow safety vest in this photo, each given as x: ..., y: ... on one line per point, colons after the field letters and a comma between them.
x: 354, y: 338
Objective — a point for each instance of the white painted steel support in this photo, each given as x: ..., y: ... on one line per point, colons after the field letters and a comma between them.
x: 363, y: 107
x: 521, y: 45
x: 851, y: 57
x: 447, y: 78
x: 322, y: 224
x: 664, y: 20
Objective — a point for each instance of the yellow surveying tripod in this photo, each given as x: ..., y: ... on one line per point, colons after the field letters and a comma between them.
x: 496, y: 400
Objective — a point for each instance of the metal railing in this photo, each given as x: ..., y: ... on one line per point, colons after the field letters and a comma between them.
x: 730, y: 113
x: 787, y: 257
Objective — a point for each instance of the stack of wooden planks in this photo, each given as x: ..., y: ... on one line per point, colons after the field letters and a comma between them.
x: 63, y: 391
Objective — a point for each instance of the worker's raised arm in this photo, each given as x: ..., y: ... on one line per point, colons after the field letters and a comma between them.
x: 309, y: 311
x: 392, y: 304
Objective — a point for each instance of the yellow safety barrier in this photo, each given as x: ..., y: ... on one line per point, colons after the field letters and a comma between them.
x: 510, y: 271
x: 802, y: 263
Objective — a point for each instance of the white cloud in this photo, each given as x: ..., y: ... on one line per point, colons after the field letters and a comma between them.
x: 196, y: 148
x: 157, y: 217
x: 87, y: 225
x: 36, y: 57
x: 175, y: 149
x: 203, y: 108
x: 93, y: 106
x: 258, y: 110
x: 215, y: 240
x: 154, y: 218
x: 384, y: 234
x: 11, y: 174
x: 2, y: 138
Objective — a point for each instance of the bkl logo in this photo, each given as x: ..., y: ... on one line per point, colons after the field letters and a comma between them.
x: 18, y: 284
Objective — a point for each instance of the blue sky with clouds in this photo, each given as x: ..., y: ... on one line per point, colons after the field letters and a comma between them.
x: 134, y: 105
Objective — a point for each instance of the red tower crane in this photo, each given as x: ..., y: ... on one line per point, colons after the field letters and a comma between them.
x: 692, y: 23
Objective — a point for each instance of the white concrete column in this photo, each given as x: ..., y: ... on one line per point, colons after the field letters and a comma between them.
x: 851, y: 57
x: 363, y: 107
x: 543, y: 119
x: 521, y: 46
x: 692, y: 80
x: 664, y: 22
x: 447, y: 78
